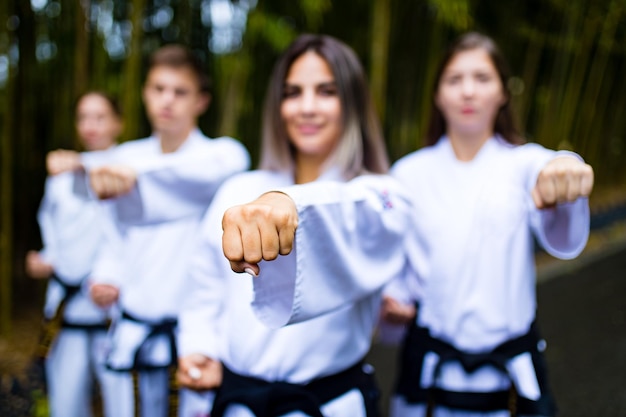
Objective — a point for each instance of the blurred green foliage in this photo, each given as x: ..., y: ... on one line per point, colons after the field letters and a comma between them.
x: 568, y: 58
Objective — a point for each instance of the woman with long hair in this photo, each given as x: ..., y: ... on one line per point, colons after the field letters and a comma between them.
x: 322, y: 172
x: 481, y: 198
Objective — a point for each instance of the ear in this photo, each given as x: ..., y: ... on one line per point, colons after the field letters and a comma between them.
x: 204, y: 99
x: 504, y: 99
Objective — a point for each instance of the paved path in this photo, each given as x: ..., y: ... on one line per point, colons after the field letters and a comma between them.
x: 582, y: 315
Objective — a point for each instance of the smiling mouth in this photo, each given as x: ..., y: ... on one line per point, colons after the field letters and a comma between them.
x: 308, y: 129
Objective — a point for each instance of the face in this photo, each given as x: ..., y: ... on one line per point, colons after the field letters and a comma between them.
x: 98, y: 126
x: 470, y: 94
x: 173, y: 100
x: 311, y: 109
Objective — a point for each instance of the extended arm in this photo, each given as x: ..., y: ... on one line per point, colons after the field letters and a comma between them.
x: 171, y: 186
x: 560, y: 195
x: 347, y: 244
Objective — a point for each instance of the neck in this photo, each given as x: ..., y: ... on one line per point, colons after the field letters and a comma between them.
x: 170, y: 142
x: 307, y: 169
x: 466, y: 146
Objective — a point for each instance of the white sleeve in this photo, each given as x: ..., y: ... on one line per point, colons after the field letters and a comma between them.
x: 174, y: 186
x: 205, y: 289
x: 46, y: 224
x: 563, y: 230
x: 348, y: 245
x: 108, y: 266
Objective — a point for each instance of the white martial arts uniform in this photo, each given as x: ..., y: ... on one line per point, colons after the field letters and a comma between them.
x: 147, y: 255
x: 72, y: 232
x: 473, y: 251
x: 345, y: 229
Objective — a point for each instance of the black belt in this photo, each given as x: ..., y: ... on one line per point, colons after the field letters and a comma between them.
x: 157, y: 328
x: 419, y: 341
x: 269, y: 399
x: 70, y: 290
x: 88, y: 327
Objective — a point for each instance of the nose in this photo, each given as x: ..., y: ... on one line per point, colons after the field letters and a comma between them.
x: 308, y: 102
x: 168, y: 95
x: 468, y: 87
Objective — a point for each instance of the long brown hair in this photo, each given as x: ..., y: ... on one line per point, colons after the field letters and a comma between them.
x: 505, y: 123
x: 361, y: 147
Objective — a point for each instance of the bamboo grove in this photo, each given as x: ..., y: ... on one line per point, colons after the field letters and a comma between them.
x: 568, y: 58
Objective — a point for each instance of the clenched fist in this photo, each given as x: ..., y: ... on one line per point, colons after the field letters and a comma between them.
x: 394, y: 312
x: 36, y: 267
x: 112, y: 181
x: 260, y: 230
x: 62, y: 160
x: 103, y: 295
x: 197, y: 372
x: 563, y: 179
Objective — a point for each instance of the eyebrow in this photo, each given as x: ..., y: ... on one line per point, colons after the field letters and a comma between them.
x: 332, y: 83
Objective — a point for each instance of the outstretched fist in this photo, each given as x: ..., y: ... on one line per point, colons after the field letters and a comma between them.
x: 112, y: 181
x: 563, y: 179
x: 62, y: 160
x: 260, y: 230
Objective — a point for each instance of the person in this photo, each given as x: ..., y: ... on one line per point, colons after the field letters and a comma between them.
x: 322, y: 168
x: 159, y: 188
x: 72, y: 234
x: 481, y: 198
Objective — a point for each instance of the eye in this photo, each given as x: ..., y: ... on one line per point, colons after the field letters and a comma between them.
x: 180, y: 92
x: 290, y: 91
x: 327, y: 89
x: 483, y: 77
x: 452, y: 79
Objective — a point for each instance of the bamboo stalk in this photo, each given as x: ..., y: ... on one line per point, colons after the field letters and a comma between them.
x: 379, y: 48
x: 6, y: 190
x: 597, y: 73
x: 131, y: 98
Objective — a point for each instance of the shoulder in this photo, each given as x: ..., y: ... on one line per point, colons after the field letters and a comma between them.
x: 222, y: 145
x: 94, y: 158
x: 257, y: 181
x: 416, y: 160
x: 134, y: 147
x: 135, y: 143
x: 245, y: 187
x: 377, y: 180
x: 530, y: 154
x: 386, y: 183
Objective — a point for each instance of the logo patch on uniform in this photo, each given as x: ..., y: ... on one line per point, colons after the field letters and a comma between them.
x: 384, y: 198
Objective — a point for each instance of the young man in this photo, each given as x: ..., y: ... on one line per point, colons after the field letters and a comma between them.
x: 160, y: 187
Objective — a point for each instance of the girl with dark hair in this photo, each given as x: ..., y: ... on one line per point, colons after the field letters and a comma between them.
x: 481, y: 197
x: 323, y: 151
x: 72, y: 232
